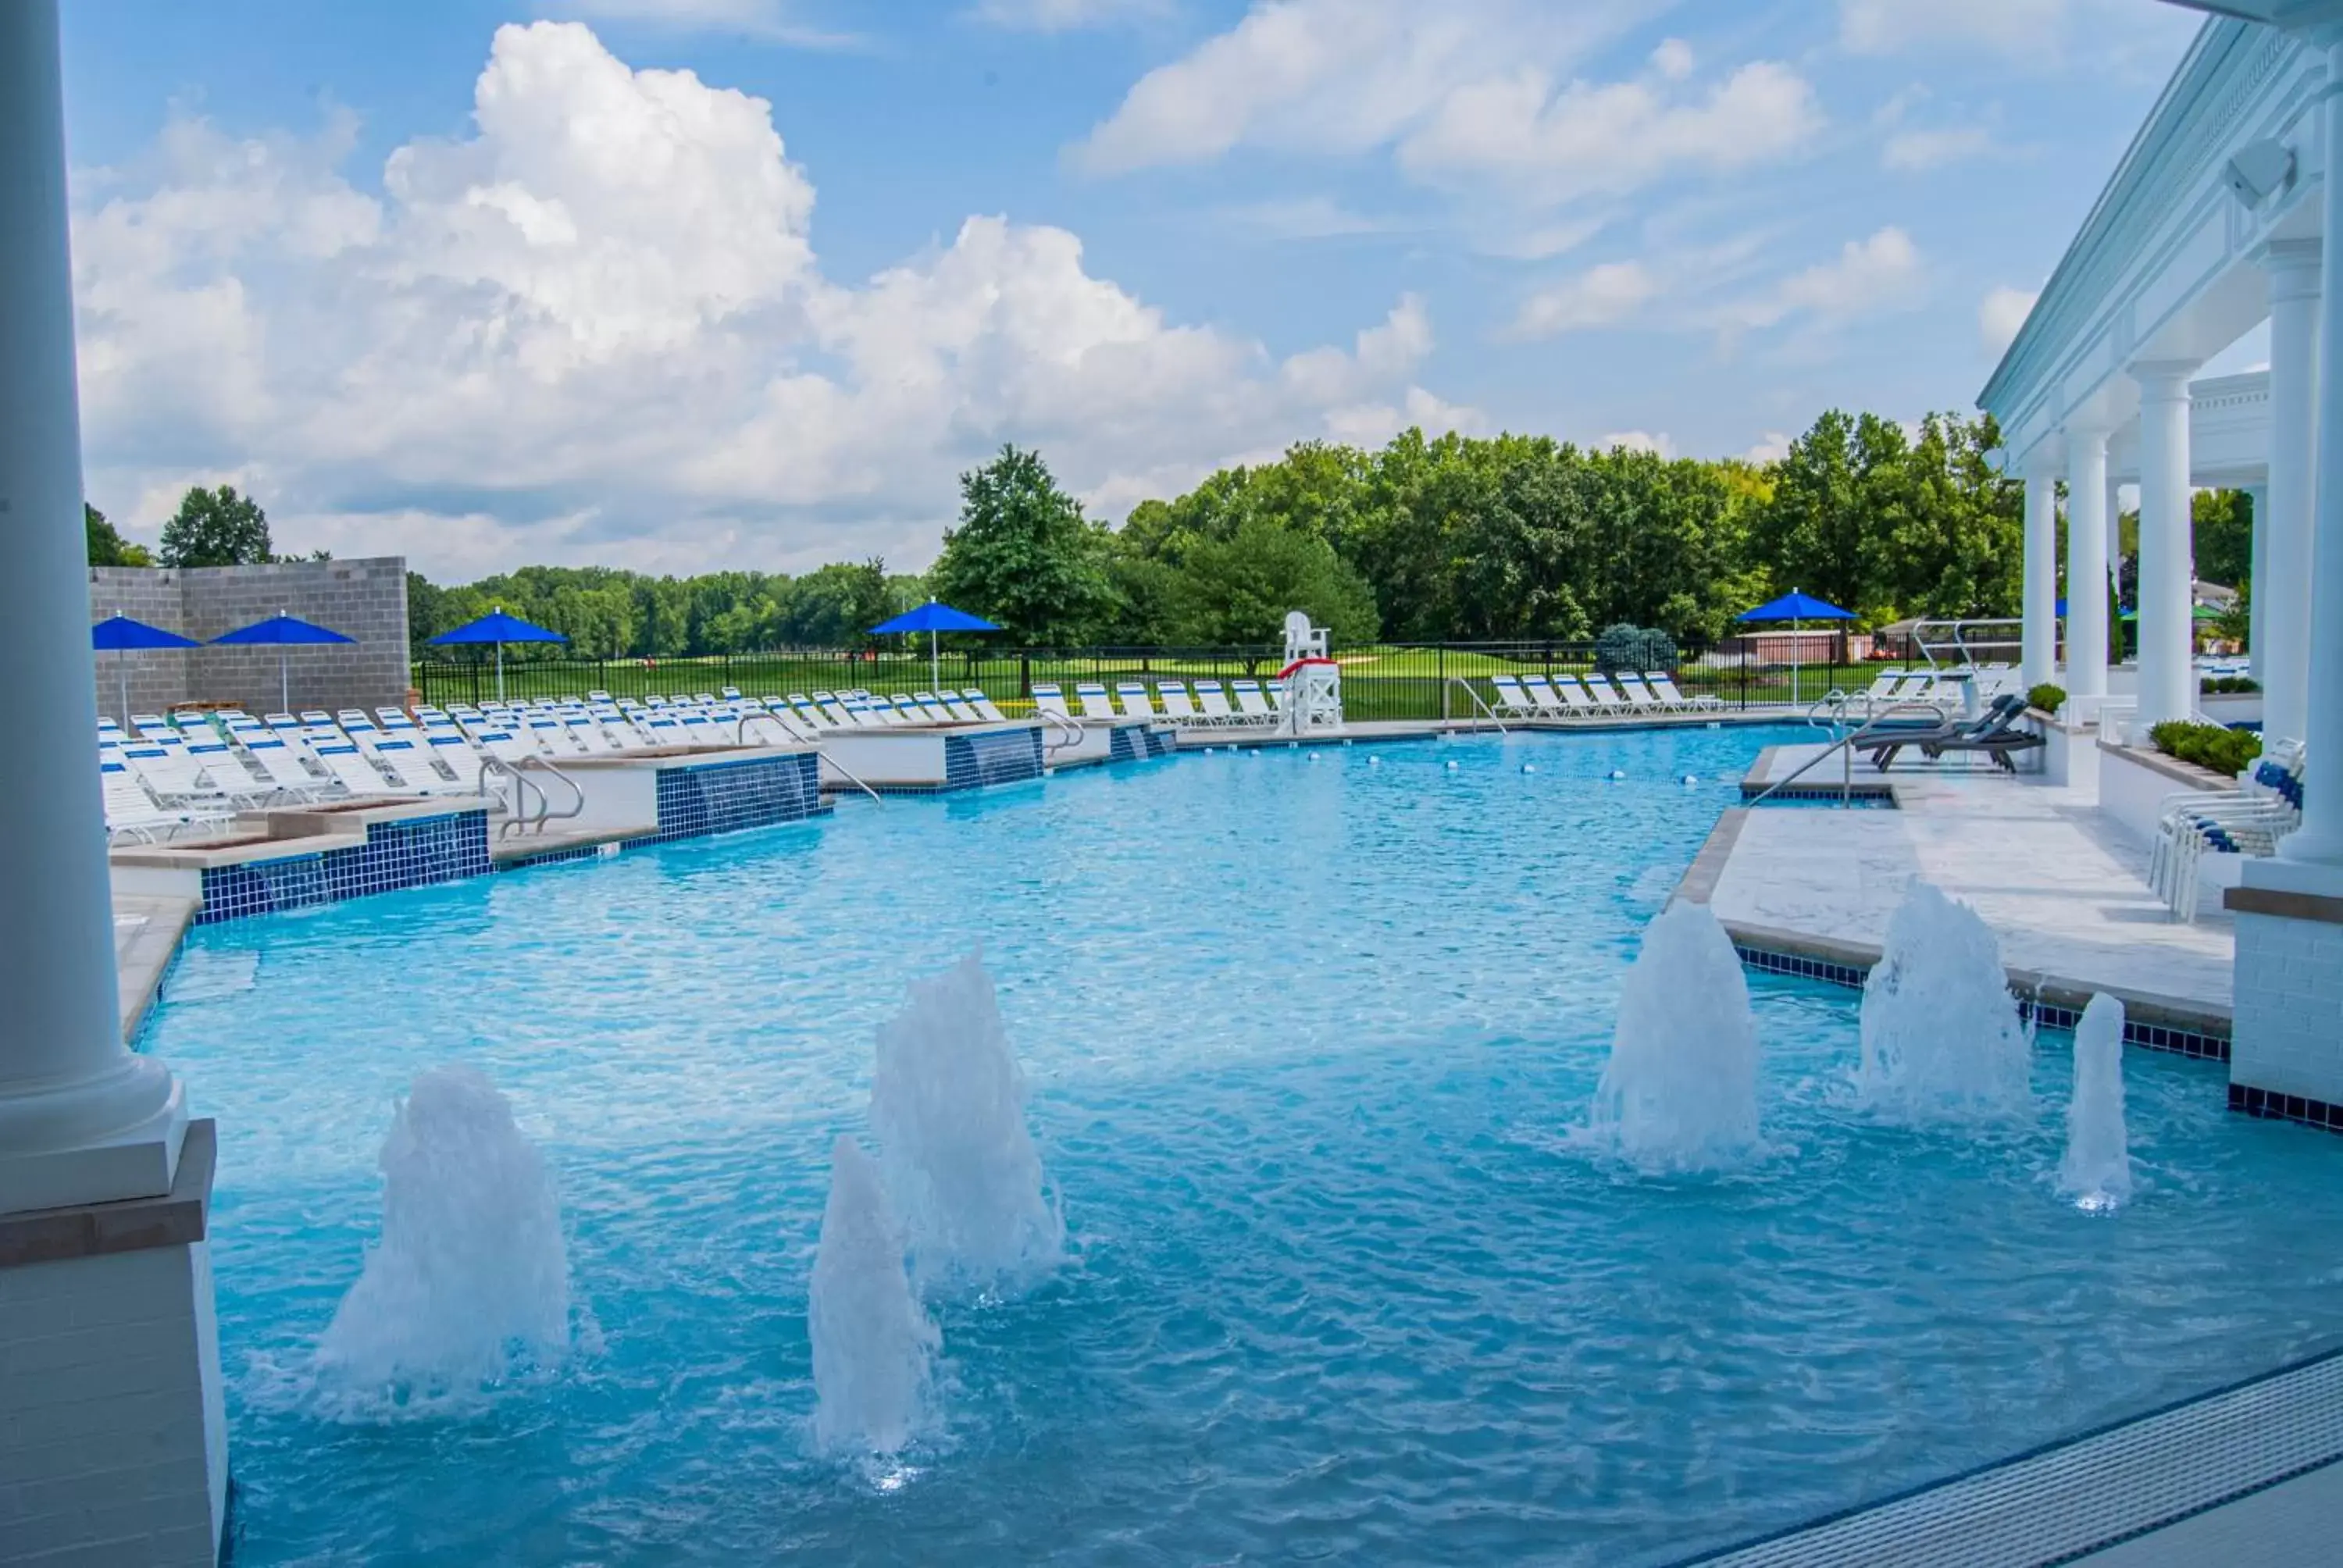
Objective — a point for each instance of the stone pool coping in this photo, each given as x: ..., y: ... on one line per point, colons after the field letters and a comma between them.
x: 2186, y: 1025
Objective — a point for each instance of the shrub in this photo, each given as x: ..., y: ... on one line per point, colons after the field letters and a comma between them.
x: 2046, y: 697
x: 2225, y: 751
x: 1634, y: 649
x: 2227, y: 685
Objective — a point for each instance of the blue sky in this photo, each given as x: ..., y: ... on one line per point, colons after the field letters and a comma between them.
x: 686, y: 283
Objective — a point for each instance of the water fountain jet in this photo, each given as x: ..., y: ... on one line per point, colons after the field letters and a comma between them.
x: 2096, y: 1171
x: 470, y: 1274
x: 872, y: 1344
x: 948, y: 1104
x: 1942, y: 1040
x: 1680, y: 1091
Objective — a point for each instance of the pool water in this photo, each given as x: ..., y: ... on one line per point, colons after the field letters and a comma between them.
x: 1307, y: 1033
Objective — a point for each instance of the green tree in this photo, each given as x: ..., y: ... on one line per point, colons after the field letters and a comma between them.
x: 1240, y: 589
x: 2225, y: 536
x: 107, y: 548
x: 217, y: 528
x: 1023, y: 556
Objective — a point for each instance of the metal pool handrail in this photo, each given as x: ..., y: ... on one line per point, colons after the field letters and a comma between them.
x: 1458, y: 680
x: 1846, y: 749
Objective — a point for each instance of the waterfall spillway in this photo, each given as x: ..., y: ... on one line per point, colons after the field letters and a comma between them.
x: 948, y: 1104
x: 2096, y: 1171
x: 1680, y: 1091
x: 872, y: 1344
x: 1942, y: 1040
x: 470, y: 1272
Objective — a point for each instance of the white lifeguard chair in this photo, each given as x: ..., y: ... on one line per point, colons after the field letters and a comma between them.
x: 1312, y: 681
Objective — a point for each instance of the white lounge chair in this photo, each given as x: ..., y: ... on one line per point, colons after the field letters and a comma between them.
x: 983, y: 706
x: 1639, y: 698
x: 1539, y: 693
x: 1253, y: 708
x: 275, y: 761
x: 1606, y: 699
x: 132, y: 813
x: 1664, y: 686
x: 1136, y: 703
x: 1049, y: 699
x: 1093, y: 699
x: 1512, y: 702
x: 2251, y: 819
x: 1177, y: 707
x: 1213, y: 703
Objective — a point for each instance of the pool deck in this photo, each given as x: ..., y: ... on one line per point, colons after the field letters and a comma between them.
x: 2063, y: 886
x: 147, y: 933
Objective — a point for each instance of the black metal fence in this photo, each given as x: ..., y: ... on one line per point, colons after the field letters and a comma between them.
x: 1380, y: 680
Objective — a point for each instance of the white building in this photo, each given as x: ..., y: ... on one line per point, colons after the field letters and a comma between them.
x: 2220, y: 217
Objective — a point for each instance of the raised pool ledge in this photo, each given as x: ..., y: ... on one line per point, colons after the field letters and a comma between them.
x: 281, y: 859
x: 933, y: 759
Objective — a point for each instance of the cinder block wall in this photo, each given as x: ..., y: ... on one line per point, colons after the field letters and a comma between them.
x: 365, y: 599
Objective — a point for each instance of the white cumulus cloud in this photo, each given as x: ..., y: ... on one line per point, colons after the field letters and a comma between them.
x: 1574, y: 139
x: 595, y: 328
x: 1065, y: 15
x: 2000, y: 314
x: 780, y: 21
x: 1599, y: 297
x: 1660, y: 444
x: 1869, y: 275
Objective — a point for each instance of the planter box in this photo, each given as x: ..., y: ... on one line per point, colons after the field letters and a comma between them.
x: 2135, y: 781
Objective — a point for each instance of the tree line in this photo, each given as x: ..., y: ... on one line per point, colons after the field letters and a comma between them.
x: 1447, y: 538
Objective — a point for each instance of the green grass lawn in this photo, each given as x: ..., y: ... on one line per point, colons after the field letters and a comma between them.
x: 1381, y: 683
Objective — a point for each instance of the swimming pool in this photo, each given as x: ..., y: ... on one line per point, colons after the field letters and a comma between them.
x: 1306, y: 1034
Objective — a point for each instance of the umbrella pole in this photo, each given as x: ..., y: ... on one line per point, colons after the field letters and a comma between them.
x: 285, y: 680
x: 500, y: 670
x: 122, y: 668
x: 932, y: 682
x: 1794, y: 651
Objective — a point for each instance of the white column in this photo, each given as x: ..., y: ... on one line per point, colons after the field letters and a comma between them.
x: 2166, y: 671
x: 81, y: 1119
x: 2040, y: 641
x: 2320, y: 839
x: 2087, y: 526
x: 2282, y: 591
x: 2257, y: 587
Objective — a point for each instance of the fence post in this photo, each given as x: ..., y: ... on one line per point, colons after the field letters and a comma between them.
x: 1440, y: 674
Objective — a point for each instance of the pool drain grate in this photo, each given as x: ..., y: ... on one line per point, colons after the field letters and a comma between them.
x: 2084, y: 1495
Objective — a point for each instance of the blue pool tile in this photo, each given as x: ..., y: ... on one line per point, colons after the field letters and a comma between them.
x: 996, y: 756
x: 725, y: 797
x: 414, y: 853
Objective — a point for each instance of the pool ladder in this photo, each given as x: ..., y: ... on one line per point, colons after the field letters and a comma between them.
x: 526, y: 806
x: 1060, y: 724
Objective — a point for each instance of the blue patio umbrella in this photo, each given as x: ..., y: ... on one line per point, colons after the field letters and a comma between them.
x: 117, y: 633
x: 500, y: 629
x: 1793, y: 606
x: 280, y: 631
x: 932, y: 617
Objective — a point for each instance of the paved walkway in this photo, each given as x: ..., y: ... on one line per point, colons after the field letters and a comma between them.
x: 147, y: 933
x: 2063, y: 886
